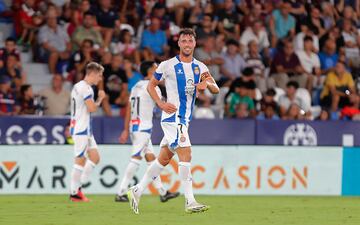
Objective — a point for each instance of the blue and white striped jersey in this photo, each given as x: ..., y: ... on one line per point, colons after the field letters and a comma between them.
x: 180, y: 79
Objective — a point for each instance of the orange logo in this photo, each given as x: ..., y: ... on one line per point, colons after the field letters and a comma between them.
x: 9, y: 165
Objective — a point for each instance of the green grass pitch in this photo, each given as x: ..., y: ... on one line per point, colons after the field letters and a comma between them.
x: 244, y: 210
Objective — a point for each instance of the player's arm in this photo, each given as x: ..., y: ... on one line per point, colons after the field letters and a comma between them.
x: 207, y: 81
x: 165, y: 106
x: 125, y: 133
x: 93, y: 106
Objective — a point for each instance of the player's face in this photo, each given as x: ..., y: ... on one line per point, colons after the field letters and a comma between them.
x: 187, y: 44
x: 97, y: 77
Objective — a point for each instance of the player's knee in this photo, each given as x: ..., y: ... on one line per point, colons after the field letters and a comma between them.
x: 150, y: 157
x: 164, y: 161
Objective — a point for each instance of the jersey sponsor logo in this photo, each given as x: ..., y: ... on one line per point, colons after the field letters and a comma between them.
x: 196, y: 70
x: 190, y: 88
x: 300, y: 134
x: 180, y: 71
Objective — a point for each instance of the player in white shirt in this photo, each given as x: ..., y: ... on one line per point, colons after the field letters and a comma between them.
x: 82, y: 105
x: 138, y: 123
x: 184, y: 76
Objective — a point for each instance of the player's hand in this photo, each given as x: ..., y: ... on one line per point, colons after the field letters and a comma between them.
x: 167, y: 107
x: 101, y: 94
x: 124, y: 136
x: 201, y: 87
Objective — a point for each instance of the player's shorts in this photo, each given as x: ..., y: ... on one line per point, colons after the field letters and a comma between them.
x: 141, y: 143
x: 175, y: 136
x: 82, y: 143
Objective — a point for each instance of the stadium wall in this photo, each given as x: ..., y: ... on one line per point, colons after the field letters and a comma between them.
x: 43, y: 130
x: 217, y: 170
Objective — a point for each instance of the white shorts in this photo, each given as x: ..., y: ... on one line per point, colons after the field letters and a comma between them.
x: 82, y: 143
x: 175, y: 136
x: 141, y: 143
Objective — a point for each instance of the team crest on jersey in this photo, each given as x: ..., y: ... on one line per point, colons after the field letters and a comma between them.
x: 190, y: 88
x: 196, y: 70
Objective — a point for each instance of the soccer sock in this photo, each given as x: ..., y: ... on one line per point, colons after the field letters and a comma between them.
x: 88, y: 168
x: 129, y: 174
x: 158, y: 184
x: 75, y: 179
x: 186, y: 181
x: 152, y: 172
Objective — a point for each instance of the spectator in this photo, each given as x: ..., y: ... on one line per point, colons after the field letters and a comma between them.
x: 78, y: 14
x: 54, y: 41
x: 335, y: 35
x: 268, y: 98
x: 328, y: 57
x: 205, y: 29
x: 208, y: 55
x: 324, y: 115
x: 9, y: 105
x: 311, y: 64
x: 115, y: 82
x: 268, y: 112
x: 57, y: 99
x: 27, y: 21
x: 328, y: 15
x: 80, y: 59
x: 299, y: 38
x: 294, y: 113
x: 127, y: 47
x: 132, y: 75
x: 315, y: 23
x: 27, y: 100
x: 255, y: 33
x: 286, y: 66
x: 87, y: 31
x: 239, y: 96
x: 159, y: 11
x: 289, y: 99
x: 233, y: 61
x: 339, y: 86
x: 282, y: 24
x: 352, y: 40
x: 154, y: 42
x: 178, y: 7
x: 9, y: 49
x: 254, y: 60
x: 13, y: 71
x: 228, y: 20
x: 256, y: 14
x: 107, y: 19
x: 249, y: 79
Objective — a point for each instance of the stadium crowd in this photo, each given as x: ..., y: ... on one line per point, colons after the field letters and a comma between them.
x: 274, y: 59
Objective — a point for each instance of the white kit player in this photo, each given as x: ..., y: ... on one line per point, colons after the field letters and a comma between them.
x: 138, y: 123
x: 184, y: 76
x: 85, y: 147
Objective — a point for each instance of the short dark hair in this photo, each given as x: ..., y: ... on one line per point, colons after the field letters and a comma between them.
x: 24, y: 88
x: 239, y: 83
x: 145, y: 66
x: 94, y: 67
x: 270, y: 92
x: 232, y: 42
x: 293, y: 84
x: 308, y: 38
x: 10, y: 39
x: 248, y: 71
x: 91, y: 42
x: 187, y: 31
x: 89, y: 13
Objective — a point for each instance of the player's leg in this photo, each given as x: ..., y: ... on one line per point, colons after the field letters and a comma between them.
x: 165, y: 195
x: 139, y: 143
x: 151, y: 173
x: 130, y: 170
x: 191, y: 206
x: 91, y: 162
x: 80, y: 147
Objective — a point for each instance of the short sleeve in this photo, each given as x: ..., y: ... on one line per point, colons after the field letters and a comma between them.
x: 160, y: 71
x: 203, y: 69
x: 87, y: 93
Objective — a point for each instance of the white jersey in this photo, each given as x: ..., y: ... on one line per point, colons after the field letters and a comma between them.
x: 180, y: 78
x: 80, y: 117
x: 142, y: 107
